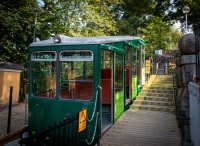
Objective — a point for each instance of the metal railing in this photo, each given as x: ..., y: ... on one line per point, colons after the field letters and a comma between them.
x: 161, y: 64
x: 63, y: 133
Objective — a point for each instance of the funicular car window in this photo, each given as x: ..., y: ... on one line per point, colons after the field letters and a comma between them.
x: 106, y: 59
x: 43, y: 77
x: 119, y: 73
x: 76, y: 74
x: 134, y: 62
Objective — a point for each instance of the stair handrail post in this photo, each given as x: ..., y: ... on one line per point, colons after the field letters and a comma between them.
x: 9, y: 110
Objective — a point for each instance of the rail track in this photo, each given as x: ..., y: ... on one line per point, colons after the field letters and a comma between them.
x: 12, y: 136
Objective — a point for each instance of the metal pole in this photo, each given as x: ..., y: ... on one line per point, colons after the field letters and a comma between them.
x: 186, y: 22
x: 26, y: 102
x: 9, y: 110
x: 35, y: 24
x: 99, y: 116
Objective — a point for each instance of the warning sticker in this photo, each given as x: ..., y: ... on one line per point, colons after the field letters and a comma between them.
x: 82, y: 120
x: 148, y: 61
x: 148, y: 66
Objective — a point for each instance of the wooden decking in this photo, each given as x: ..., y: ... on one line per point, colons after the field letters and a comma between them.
x: 143, y: 128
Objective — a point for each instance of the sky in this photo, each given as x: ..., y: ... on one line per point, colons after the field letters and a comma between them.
x: 40, y: 2
x: 177, y: 25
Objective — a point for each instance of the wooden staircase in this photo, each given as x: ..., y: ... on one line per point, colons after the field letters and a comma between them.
x: 156, y: 95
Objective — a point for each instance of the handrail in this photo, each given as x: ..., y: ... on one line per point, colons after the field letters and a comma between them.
x: 47, y: 135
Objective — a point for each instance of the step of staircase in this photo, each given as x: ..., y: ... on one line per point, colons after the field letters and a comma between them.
x: 159, y: 81
x: 158, y: 84
x: 155, y: 90
x: 156, y: 81
x: 153, y: 108
x: 145, y: 94
x: 154, y: 98
x: 159, y: 103
x: 156, y: 95
x: 158, y: 88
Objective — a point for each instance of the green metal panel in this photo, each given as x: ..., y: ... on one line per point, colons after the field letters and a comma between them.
x: 43, y: 113
x: 142, y: 42
x: 132, y: 44
x: 134, y: 87
x: 116, y: 47
x: 119, y: 95
x: 118, y: 105
x: 135, y: 43
x: 134, y: 71
x: 46, y: 111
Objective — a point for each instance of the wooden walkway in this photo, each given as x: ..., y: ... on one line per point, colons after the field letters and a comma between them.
x: 143, y: 128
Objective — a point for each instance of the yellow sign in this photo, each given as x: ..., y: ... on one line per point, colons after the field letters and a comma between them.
x: 147, y: 69
x: 148, y: 63
x: 82, y: 115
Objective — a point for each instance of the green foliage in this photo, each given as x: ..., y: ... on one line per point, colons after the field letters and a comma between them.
x: 174, y: 10
x: 82, y: 18
x: 72, y: 18
x: 76, y: 18
x: 22, y: 21
x: 140, y: 19
x: 135, y: 14
x: 159, y: 35
x: 15, y: 22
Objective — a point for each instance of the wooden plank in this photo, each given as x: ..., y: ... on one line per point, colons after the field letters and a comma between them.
x: 143, y: 128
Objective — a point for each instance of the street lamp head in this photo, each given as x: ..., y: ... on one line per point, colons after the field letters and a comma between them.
x: 186, y: 9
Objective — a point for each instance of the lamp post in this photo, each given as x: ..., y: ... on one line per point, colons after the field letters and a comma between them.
x: 186, y: 10
x: 35, y: 24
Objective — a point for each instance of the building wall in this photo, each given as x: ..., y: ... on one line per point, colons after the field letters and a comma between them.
x: 9, y: 78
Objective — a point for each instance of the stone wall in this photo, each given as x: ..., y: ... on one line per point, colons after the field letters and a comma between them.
x: 185, y: 64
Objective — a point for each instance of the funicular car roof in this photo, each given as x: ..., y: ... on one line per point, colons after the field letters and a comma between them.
x: 65, y: 40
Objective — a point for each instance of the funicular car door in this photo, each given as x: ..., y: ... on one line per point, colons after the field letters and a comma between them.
x: 128, y: 80
x: 107, y: 89
x: 134, y: 73
x: 118, y: 85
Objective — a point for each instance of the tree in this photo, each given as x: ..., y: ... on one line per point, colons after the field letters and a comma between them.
x: 174, y: 10
x: 72, y: 18
x: 22, y: 21
x: 76, y: 18
x: 135, y: 14
x: 16, y: 22
x: 159, y: 35
x: 142, y: 18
